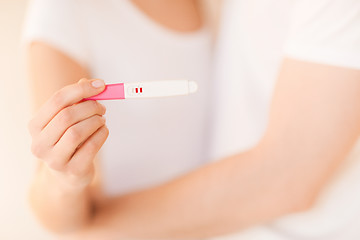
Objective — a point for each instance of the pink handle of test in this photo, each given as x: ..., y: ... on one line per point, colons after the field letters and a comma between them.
x: 112, y: 91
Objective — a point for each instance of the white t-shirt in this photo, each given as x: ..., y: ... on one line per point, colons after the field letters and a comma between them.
x: 154, y: 140
x: 255, y: 35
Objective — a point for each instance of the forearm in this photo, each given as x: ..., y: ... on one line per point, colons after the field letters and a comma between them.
x: 310, y: 132
x: 59, y: 209
x: 67, y: 133
x: 221, y: 198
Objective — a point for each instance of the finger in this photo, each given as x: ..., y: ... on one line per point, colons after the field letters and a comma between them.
x: 65, y: 97
x: 39, y: 149
x: 65, y: 148
x: 68, y: 117
x: 81, y: 162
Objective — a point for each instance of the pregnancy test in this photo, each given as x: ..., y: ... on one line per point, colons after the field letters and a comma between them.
x: 146, y: 90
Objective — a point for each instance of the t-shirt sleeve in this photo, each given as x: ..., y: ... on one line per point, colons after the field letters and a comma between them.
x: 60, y: 24
x: 325, y: 31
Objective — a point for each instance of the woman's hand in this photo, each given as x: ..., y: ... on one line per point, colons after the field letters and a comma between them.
x: 67, y: 133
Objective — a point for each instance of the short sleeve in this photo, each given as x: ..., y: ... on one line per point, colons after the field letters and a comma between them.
x: 325, y: 31
x: 60, y: 24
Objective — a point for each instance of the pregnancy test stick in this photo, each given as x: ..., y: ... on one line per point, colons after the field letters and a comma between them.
x: 146, y: 90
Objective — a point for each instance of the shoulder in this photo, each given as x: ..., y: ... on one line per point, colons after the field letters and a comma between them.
x: 60, y: 24
x: 59, y: 5
x: 325, y: 31
x: 53, y: 10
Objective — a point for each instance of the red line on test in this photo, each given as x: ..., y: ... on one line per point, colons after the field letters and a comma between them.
x: 141, y: 89
x: 136, y: 90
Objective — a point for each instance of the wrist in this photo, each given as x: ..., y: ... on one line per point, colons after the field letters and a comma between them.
x: 63, y: 183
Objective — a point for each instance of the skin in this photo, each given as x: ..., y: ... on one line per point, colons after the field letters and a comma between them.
x: 178, y: 15
x: 314, y: 122
x: 67, y: 134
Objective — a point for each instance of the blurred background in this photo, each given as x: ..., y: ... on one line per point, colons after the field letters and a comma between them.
x: 17, y: 164
x: 16, y: 220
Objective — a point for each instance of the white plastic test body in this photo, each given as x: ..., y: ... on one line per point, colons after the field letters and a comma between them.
x: 159, y: 89
x: 166, y: 88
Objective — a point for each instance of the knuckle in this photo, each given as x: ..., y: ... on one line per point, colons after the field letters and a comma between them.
x: 104, y: 133
x: 83, y: 80
x: 93, y: 145
x: 102, y: 108
x: 33, y: 127
x: 55, y: 165
x: 97, y: 120
x: 74, y: 135
x: 81, y: 88
x: 37, y: 150
x: 105, y: 130
x: 58, y: 98
x: 66, y: 116
x: 100, y: 120
x: 94, y: 105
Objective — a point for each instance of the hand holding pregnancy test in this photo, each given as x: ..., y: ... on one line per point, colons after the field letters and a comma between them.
x: 154, y: 89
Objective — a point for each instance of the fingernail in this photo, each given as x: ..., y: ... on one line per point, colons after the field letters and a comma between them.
x: 98, y: 83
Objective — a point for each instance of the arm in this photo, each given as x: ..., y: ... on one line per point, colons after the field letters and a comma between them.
x: 60, y: 193
x: 314, y: 122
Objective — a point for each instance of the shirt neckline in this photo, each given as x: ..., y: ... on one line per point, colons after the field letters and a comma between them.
x: 155, y: 27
